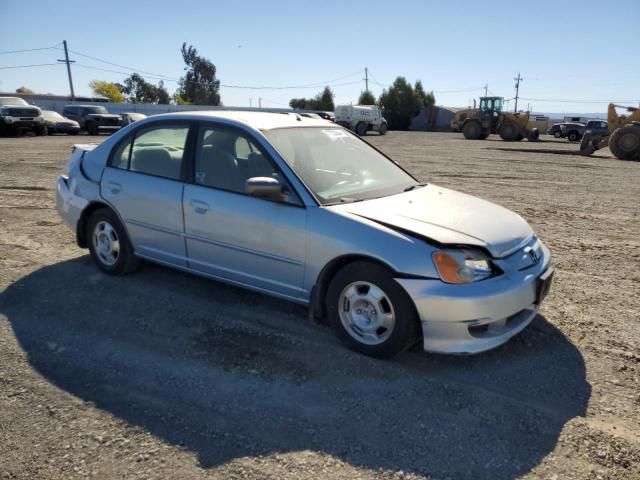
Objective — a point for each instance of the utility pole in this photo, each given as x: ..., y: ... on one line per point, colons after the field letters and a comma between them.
x: 486, y: 87
x: 366, y: 79
x: 518, y: 79
x: 68, y: 62
x: 259, y: 102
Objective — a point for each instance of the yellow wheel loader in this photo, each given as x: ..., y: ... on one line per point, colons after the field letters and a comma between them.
x: 489, y: 118
x: 623, y: 138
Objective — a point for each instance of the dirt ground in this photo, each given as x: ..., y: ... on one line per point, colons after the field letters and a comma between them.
x: 161, y: 374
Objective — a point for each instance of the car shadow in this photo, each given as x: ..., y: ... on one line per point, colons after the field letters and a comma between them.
x: 227, y: 373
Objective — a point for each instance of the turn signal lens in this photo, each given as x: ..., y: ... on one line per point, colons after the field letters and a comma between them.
x: 462, y: 267
x: 449, y: 268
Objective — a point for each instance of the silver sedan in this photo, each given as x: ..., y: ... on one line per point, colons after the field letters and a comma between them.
x: 301, y: 209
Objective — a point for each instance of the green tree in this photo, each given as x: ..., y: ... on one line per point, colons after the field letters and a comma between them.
x: 400, y: 104
x: 138, y: 90
x: 199, y: 86
x: 322, y: 101
x: 24, y: 91
x: 107, y: 89
x: 367, y: 98
x: 425, y: 99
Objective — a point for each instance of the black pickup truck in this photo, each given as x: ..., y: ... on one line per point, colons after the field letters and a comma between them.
x: 94, y: 119
x: 575, y: 131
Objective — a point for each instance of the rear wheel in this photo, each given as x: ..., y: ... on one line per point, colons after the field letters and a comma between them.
x: 625, y: 142
x: 109, y: 245
x: 361, y: 129
x: 472, y: 130
x: 509, y: 131
x: 573, y: 136
x: 370, y: 312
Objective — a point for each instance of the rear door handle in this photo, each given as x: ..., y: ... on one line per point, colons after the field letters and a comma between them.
x: 114, y: 187
x: 200, y: 206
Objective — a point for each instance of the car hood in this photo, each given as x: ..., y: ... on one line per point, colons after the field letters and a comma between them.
x: 447, y: 217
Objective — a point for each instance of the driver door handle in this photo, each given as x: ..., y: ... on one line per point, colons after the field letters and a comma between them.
x: 199, y: 206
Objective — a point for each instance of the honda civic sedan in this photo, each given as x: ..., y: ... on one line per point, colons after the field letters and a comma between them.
x: 301, y: 209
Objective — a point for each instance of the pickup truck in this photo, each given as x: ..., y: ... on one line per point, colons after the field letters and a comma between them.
x: 575, y: 131
x: 17, y: 116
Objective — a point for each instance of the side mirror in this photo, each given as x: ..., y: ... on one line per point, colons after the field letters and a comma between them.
x: 264, y: 187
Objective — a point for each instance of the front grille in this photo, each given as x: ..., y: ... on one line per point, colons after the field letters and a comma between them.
x: 23, y: 112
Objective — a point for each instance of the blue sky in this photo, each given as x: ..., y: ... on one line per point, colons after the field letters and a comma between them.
x: 573, y: 51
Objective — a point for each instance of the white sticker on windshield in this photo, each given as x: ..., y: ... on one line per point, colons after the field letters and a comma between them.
x: 335, y: 133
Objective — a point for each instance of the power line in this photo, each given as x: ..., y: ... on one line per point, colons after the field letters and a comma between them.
x: 556, y: 100
x: 28, y: 66
x: 29, y: 50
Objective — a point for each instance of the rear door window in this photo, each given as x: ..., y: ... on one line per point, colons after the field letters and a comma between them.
x: 157, y: 151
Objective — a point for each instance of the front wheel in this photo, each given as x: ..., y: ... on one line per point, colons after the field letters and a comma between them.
x: 383, y: 129
x: 472, y: 130
x: 109, y: 245
x: 370, y: 312
x: 509, y: 131
x: 624, y: 142
x: 557, y: 134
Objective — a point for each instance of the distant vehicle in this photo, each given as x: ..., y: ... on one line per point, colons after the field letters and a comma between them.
x: 556, y: 129
x: 95, y: 119
x: 303, y: 210
x: 311, y: 115
x: 98, y: 99
x: 489, y: 118
x: 575, y: 131
x: 130, y: 117
x: 461, y: 116
x: 17, y: 116
x: 361, y: 118
x: 56, y: 123
x: 622, y: 135
x: 327, y: 116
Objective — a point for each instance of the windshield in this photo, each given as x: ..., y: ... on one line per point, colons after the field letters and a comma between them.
x: 96, y: 110
x: 338, y: 167
x: 51, y: 115
x: 12, y: 101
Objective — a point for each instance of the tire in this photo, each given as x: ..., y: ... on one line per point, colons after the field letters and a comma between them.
x: 624, y: 142
x: 361, y: 129
x: 573, y: 136
x: 484, y: 136
x: 472, y: 130
x: 351, y: 292
x: 383, y: 129
x: 557, y: 134
x: 104, y: 231
x: 41, y: 130
x: 509, y: 131
x: 92, y: 128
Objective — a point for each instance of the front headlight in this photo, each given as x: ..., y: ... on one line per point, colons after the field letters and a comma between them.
x: 463, y: 266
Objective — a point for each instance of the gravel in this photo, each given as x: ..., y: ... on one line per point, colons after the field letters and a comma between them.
x: 161, y: 374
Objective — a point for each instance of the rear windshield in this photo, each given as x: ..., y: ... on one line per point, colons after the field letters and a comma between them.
x: 51, y: 115
x: 96, y: 110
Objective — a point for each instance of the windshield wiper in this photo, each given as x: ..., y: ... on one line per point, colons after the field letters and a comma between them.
x: 413, y: 187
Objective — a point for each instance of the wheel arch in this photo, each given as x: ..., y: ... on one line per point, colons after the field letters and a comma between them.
x: 317, y: 306
x: 81, y: 227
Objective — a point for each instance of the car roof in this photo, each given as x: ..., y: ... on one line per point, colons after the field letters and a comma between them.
x: 257, y: 120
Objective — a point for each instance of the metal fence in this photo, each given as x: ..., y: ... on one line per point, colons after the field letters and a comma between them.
x: 145, y: 108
